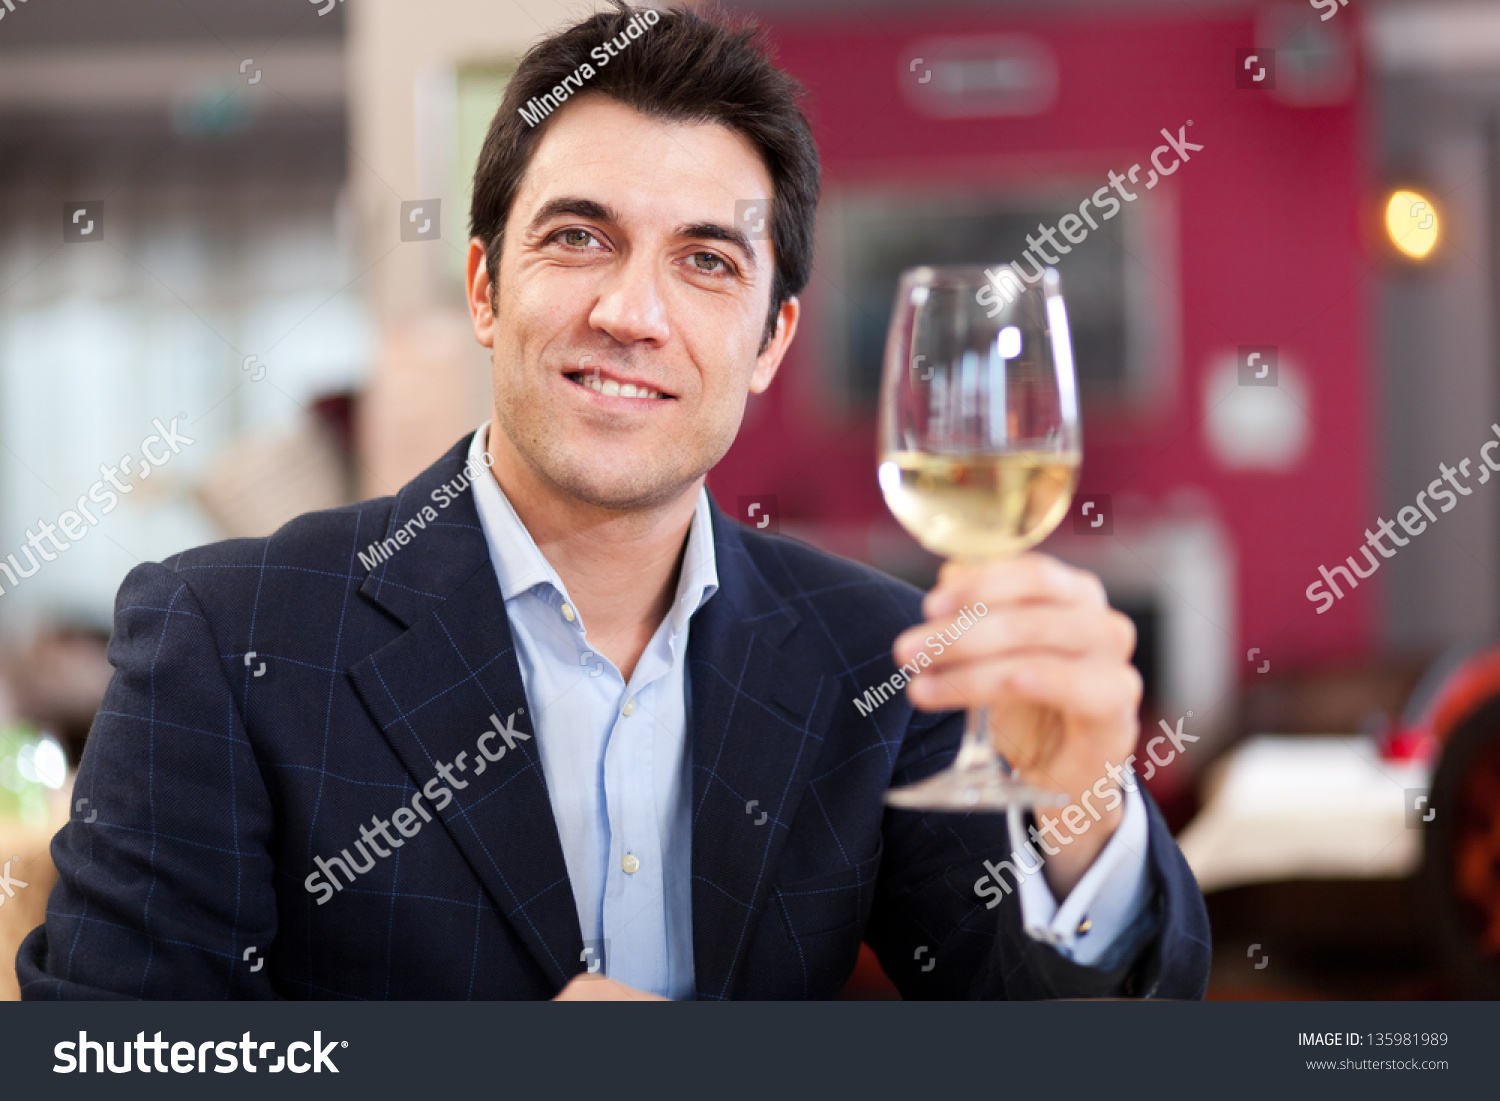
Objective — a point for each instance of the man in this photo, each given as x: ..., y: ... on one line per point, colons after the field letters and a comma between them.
x: 547, y: 722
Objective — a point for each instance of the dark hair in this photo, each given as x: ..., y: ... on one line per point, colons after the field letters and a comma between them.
x: 684, y: 68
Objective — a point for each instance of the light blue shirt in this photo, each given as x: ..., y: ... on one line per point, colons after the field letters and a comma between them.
x: 617, y: 760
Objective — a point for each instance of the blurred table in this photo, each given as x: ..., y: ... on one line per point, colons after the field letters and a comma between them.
x: 1282, y: 807
x: 27, y: 847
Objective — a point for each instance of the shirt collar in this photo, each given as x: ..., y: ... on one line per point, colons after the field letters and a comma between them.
x: 521, y: 567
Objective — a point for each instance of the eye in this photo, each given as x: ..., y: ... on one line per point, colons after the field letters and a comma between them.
x: 710, y: 263
x: 575, y: 237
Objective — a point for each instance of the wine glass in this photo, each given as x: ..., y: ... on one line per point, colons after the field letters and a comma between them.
x: 979, y: 452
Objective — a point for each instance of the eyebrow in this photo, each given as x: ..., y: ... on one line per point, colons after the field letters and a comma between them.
x: 602, y: 212
x: 578, y: 208
x: 714, y: 231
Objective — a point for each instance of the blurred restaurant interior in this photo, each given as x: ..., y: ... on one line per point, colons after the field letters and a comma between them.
x: 254, y: 171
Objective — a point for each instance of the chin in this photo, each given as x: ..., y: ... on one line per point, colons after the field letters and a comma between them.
x: 612, y: 488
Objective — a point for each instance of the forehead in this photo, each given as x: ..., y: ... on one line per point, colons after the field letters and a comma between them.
x: 595, y: 147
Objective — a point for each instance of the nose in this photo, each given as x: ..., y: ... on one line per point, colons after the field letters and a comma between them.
x: 631, y: 307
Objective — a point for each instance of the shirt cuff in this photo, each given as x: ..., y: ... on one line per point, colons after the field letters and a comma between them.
x: 1110, y: 898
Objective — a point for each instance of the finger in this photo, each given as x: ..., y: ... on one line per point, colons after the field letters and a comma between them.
x: 1029, y: 577
x: 1028, y: 737
x: 601, y: 988
x: 1015, y: 630
x: 1090, y: 690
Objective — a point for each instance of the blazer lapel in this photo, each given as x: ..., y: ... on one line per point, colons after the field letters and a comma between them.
x: 432, y: 691
x: 758, y: 718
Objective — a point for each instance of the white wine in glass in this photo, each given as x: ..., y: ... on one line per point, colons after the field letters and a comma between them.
x: 980, y: 506
x: 979, y: 456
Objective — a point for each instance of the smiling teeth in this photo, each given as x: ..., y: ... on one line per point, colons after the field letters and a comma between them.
x: 610, y: 388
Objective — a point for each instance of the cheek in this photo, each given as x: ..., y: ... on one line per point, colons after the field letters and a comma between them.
x: 721, y: 402
x: 725, y: 352
x: 526, y: 325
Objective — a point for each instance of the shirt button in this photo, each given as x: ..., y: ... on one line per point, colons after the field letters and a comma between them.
x: 630, y: 864
x: 629, y: 708
x: 567, y: 611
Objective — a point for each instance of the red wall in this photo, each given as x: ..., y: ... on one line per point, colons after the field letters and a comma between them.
x: 1270, y: 251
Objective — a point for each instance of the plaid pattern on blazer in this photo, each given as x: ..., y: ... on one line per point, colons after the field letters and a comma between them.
x: 272, y: 695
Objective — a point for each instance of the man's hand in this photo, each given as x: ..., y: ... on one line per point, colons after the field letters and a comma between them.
x: 1051, y: 660
x: 601, y: 988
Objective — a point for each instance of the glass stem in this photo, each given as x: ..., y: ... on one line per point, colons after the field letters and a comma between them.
x: 978, y: 750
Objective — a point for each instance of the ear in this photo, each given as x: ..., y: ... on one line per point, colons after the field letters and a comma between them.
x: 767, y: 363
x: 477, y: 279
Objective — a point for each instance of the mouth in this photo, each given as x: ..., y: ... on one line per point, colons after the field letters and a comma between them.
x: 614, y: 386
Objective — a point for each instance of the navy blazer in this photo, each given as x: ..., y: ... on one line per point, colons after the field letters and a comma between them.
x: 271, y: 696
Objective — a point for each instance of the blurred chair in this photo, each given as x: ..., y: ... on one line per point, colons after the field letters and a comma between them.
x: 430, y: 388
x: 1462, y: 841
x: 262, y: 480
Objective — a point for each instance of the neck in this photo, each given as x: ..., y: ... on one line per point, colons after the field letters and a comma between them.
x: 620, y: 567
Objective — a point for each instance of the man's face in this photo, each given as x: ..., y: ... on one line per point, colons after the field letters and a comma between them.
x: 629, y: 307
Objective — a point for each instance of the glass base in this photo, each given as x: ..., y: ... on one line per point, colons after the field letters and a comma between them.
x: 984, y: 789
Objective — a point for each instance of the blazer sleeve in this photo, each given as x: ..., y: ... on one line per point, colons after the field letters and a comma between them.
x: 165, y: 892
x: 927, y: 895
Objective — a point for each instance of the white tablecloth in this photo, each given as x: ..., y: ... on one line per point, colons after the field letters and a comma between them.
x: 1302, y: 808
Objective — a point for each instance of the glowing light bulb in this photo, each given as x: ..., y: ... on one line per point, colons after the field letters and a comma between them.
x: 1412, y: 222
